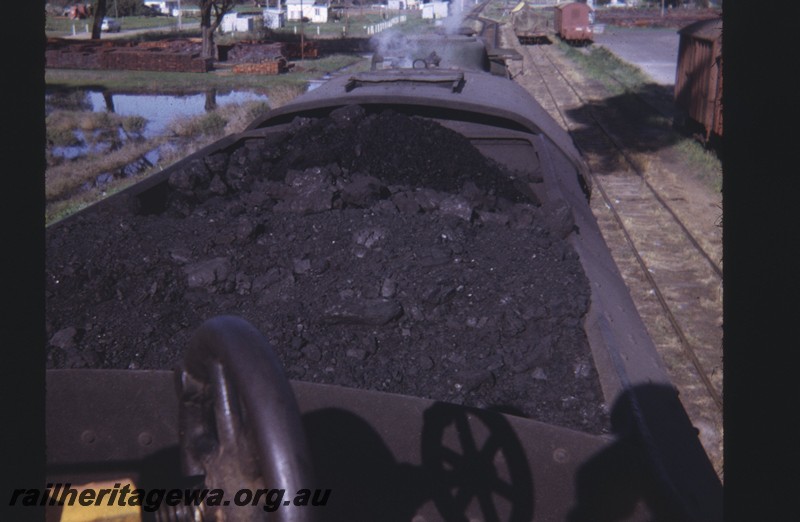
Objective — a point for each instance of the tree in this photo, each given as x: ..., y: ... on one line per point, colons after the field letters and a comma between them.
x: 208, y: 26
x: 130, y: 8
x: 99, y: 14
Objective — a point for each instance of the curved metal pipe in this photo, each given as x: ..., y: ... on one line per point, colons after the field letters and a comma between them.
x: 230, y: 359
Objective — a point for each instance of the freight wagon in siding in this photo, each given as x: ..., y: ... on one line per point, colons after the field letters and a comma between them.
x: 531, y: 25
x: 698, y: 79
x: 573, y: 23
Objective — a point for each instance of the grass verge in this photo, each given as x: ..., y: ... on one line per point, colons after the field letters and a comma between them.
x: 619, y: 77
x: 604, y: 66
x: 705, y: 165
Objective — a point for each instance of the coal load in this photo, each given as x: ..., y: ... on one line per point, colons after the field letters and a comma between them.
x: 374, y: 251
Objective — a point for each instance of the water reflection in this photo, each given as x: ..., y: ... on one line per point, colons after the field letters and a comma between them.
x: 160, y: 109
x: 157, y: 110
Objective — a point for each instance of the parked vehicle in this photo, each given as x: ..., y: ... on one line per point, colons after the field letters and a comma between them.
x: 110, y: 25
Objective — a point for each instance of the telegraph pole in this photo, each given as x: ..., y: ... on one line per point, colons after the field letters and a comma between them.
x: 302, y: 34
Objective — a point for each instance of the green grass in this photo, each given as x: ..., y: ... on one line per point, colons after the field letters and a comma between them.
x: 62, y: 26
x: 600, y: 64
x: 355, y: 25
x: 704, y: 164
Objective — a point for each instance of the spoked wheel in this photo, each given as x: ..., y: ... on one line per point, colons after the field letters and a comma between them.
x: 476, y: 462
x: 240, y: 424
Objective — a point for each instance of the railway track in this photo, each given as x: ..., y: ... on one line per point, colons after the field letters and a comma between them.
x: 657, y: 107
x: 671, y: 267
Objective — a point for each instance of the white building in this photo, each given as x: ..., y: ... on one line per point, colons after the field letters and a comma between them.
x: 316, y: 11
x: 436, y: 10
x: 274, y: 18
x: 398, y: 5
x: 168, y: 7
x: 240, y: 23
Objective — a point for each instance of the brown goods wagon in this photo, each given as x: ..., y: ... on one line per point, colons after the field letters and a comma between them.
x: 571, y: 22
x: 698, y: 79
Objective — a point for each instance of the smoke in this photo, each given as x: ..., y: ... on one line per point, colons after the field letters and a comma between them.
x: 402, y: 49
x: 455, y: 19
x: 394, y: 47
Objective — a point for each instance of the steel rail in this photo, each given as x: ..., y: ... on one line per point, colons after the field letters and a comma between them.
x: 688, y: 349
x: 621, y: 148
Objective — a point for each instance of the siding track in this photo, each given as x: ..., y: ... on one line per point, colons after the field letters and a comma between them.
x: 673, y: 271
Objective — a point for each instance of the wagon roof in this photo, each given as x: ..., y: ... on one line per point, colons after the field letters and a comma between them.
x: 574, y: 5
x: 704, y: 29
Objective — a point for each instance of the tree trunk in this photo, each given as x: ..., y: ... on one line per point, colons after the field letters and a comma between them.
x: 207, y: 30
x: 208, y: 42
x: 107, y: 96
x: 99, y: 14
x: 211, y: 100
x: 209, y: 25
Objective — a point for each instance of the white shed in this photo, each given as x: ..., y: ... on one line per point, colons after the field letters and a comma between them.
x: 436, y: 10
x: 239, y: 23
x: 316, y: 11
x: 274, y: 18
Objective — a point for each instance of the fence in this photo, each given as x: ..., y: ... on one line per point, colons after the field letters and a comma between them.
x: 377, y: 28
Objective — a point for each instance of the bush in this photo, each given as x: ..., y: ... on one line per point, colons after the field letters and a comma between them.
x: 208, y: 125
x: 134, y: 124
x: 61, y: 137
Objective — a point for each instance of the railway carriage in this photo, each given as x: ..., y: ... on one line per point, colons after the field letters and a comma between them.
x: 228, y: 418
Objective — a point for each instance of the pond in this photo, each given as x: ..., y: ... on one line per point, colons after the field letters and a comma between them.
x: 158, y: 109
